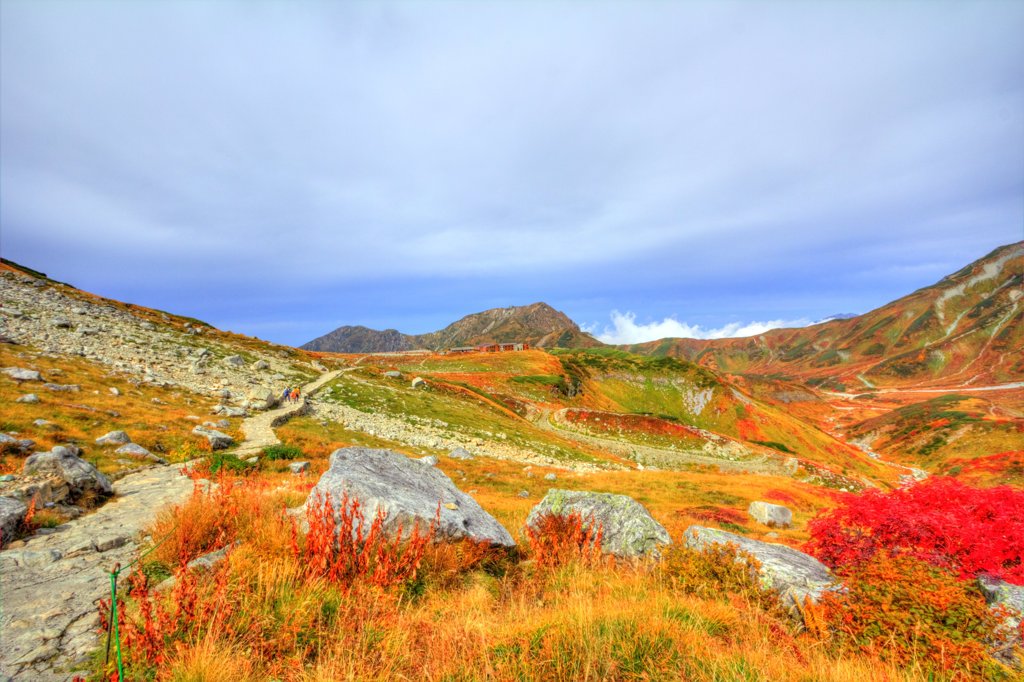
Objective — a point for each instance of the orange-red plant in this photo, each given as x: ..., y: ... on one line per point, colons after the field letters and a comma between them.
x: 343, y: 546
x: 557, y: 539
x: 902, y: 609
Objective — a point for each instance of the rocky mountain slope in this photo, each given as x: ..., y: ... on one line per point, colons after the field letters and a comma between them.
x: 965, y: 328
x: 538, y: 324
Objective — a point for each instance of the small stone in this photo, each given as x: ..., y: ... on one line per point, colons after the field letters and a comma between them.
x: 60, y: 323
x: 234, y: 361
x: 393, y: 374
x: 550, y: 477
x: 771, y: 515
x: 139, y: 452
x: 114, y: 390
x: 28, y: 398
x: 109, y: 542
x: 298, y: 467
x: 261, y: 364
x: 114, y: 438
x: 429, y: 460
x: 22, y: 374
x: 524, y: 493
x: 460, y: 453
x: 418, y: 382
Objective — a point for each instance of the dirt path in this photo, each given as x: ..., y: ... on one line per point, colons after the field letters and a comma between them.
x: 259, y: 429
x: 49, y: 584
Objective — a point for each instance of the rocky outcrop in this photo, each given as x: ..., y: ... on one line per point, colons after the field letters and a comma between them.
x: 408, y: 492
x: 795, y: 575
x: 82, y: 478
x: 12, y: 512
x: 50, y: 583
x: 1008, y: 598
x: 628, y: 529
x: 771, y: 515
x: 216, y: 439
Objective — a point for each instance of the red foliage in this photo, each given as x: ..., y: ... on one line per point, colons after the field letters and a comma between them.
x: 783, y: 496
x: 558, y: 539
x: 710, y: 512
x: 343, y: 546
x: 940, y: 521
x: 611, y: 422
x: 748, y: 429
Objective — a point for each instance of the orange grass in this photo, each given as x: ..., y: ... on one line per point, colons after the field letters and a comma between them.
x: 466, y: 613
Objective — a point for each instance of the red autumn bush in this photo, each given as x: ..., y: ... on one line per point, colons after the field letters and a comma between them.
x: 343, y: 546
x: 940, y: 521
x: 557, y: 539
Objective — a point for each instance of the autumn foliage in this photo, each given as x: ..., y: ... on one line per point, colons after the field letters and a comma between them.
x: 558, y: 539
x: 940, y: 521
x: 905, y: 610
x: 342, y: 545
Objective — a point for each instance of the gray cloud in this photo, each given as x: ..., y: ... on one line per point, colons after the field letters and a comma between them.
x: 632, y: 156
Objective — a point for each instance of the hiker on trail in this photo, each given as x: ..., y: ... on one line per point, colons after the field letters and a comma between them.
x: 295, y: 394
x: 286, y: 395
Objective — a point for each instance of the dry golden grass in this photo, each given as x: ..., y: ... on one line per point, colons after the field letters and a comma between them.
x: 153, y: 417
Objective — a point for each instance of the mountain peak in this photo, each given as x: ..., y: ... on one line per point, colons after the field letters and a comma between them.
x: 538, y: 324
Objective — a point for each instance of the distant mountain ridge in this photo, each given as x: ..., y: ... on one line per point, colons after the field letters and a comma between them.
x: 968, y: 327
x: 538, y: 324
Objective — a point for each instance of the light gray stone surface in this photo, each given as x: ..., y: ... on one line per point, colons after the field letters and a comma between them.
x: 23, y: 374
x: 50, y: 585
x: 792, y: 573
x: 772, y: 515
x: 217, y: 439
x: 628, y: 529
x: 114, y: 438
x: 63, y: 462
x: 408, y: 493
x: 12, y: 512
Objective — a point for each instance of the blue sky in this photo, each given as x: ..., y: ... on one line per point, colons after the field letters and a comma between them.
x: 650, y: 168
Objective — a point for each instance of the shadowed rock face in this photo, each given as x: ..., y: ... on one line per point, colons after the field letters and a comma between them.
x: 409, y: 492
x: 628, y: 529
x: 81, y: 476
x: 793, y: 574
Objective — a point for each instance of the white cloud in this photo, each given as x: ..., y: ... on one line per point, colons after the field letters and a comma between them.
x: 625, y: 329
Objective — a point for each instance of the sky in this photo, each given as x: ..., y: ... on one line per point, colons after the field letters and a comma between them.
x: 650, y: 168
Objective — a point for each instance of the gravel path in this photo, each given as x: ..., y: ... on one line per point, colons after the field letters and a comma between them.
x: 259, y: 429
x: 49, y: 584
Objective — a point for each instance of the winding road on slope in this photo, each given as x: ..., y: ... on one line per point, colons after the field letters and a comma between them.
x: 656, y: 456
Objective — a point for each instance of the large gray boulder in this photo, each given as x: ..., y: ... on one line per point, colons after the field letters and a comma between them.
x: 771, y: 515
x: 408, y: 493
x: 217, y: 440
x: 795, y: 575
x: 12, y: 513
x: 628, y: 529
x: 63, y: 462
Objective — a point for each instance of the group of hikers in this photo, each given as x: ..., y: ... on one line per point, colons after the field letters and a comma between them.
x: 291, y: 395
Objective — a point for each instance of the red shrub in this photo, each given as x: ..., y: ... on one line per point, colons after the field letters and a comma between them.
x: 941, y: 521
x: 343, y: 547
x: 556, y: 539
x: 710, y: 512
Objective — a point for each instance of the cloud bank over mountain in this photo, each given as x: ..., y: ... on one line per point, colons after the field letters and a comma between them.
x: 625, y: 329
